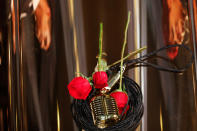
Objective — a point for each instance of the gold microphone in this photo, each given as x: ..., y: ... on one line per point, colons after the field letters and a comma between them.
x: 104, y: 107
x: 104, y: 111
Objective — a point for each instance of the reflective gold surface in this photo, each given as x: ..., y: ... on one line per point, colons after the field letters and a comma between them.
x: 171, y: 99
x: 172, y: 96
x: 104, y: 111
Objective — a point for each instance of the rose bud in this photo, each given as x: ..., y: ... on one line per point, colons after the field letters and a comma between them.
x: 79, y: 88
x: 121, y: 98
x: 100, y: 79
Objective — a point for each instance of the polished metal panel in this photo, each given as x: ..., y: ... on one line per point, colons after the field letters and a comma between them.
x: 171, y: 96
x: 38, y: 98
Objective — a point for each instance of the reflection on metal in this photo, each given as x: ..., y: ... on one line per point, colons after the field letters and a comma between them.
x: 191, y: 9
x: 134, y: 41
x: 1, y: 120
x: 72, y: 22
x: 12, y: 111
x: 194, y: 88
x: 73, y: 25
x: 136, y: 20
x: 16, y: 120
x: 144, y: 75
x: 161, y: 118
x: 194, y: 67
x: 17, y: 66
x: 9, y: 73
x: 24, y: 114
x: 187, y: 30
x: 58, y: 117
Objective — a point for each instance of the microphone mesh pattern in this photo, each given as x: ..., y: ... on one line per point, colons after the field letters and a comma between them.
x: 104, y: 111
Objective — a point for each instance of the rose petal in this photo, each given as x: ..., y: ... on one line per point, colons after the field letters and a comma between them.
x: 79, y: 88
x: 100, y: 79
x: 121, y: 98
x: 121, y: 110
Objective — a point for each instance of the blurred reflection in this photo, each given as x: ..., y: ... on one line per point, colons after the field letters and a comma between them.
x: 175, y: 19
x: 173, y: 95
x: 4, y: 103
x: 38, y: 66
x: 44, y: 54
x: 33, y: 65
x: 195, y: 15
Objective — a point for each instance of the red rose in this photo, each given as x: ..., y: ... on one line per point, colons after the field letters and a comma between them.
x: 121, y: 99
x: 121, y: 110
x: 79, y: 88
x: 100, y: 79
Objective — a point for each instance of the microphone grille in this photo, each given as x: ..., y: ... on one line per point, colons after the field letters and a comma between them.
x: 104, y: 111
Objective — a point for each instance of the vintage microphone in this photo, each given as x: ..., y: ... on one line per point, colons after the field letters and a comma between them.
x: 104, y: 108
x: 104, y: 111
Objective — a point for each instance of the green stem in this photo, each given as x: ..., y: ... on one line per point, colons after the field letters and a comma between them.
x: 128, y: 56
x: 123, y: 48
x: 100, y: 46
x: 120, y: 89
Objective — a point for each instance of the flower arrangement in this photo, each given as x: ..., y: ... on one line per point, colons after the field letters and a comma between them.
x: 88, y: 88
x: 80, y: 87
x: 109, y: 100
